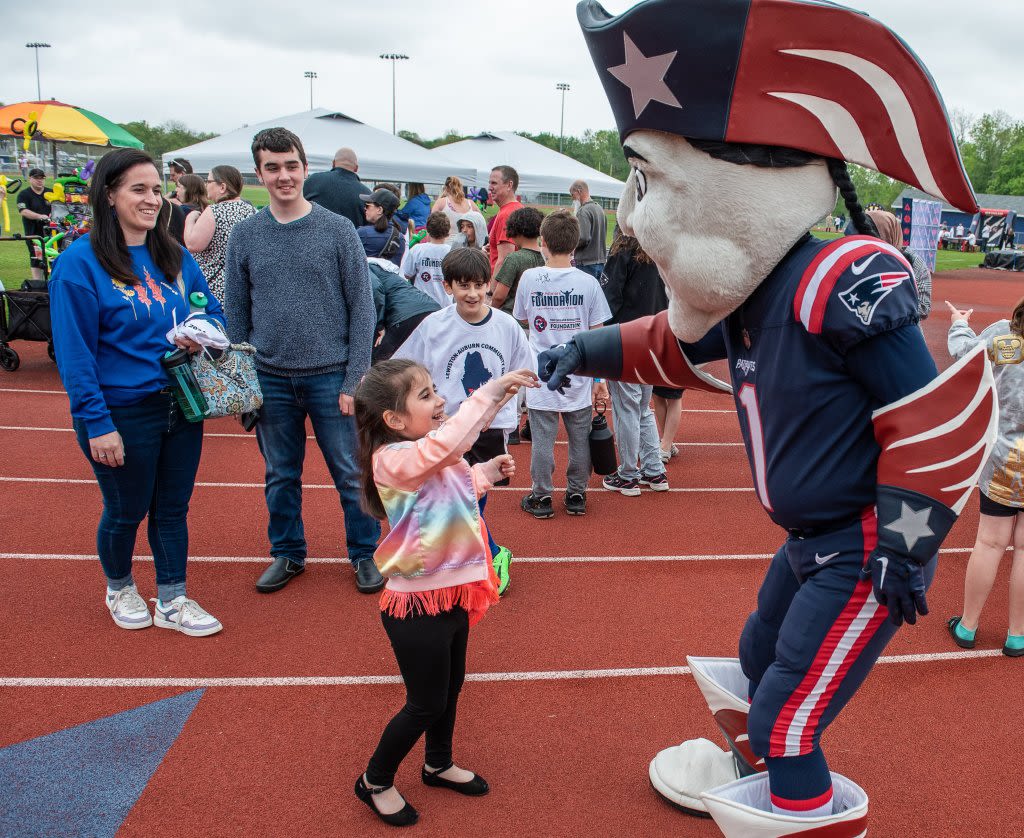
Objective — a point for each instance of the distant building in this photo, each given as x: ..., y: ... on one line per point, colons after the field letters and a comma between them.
x: 952, y: 216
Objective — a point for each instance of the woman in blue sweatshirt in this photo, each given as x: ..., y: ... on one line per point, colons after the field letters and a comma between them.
x: 114, y: 295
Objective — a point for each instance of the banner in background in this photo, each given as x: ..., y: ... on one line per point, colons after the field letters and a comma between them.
x: 920, y: 225
x: 990, y: 225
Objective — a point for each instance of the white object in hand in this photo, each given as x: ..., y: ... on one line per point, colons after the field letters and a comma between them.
x: 202, y: 329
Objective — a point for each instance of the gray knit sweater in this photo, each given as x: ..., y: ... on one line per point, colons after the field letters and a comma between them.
x: 300, y: 293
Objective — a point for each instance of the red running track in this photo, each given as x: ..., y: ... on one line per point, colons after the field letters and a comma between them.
x: 929, y: 736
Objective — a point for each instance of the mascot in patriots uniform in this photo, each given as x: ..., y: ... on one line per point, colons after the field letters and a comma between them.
x: 738, y: 118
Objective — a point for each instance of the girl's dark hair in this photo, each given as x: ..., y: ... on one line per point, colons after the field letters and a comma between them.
x: 107, y: 237
x: 195, y: 191
x: 230, y: 178
x: 415, y: 189
x: 781, y: 157
x: 622, y: 242
x: 385, y: 386
x: 1017, y: 318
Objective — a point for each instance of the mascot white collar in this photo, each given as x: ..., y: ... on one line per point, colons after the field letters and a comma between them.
x: 737, y: 117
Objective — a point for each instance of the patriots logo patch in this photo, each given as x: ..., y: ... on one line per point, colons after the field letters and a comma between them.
x: 863, y: 297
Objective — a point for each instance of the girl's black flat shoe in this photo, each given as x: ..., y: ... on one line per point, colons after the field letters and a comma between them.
x: 474, y: 788
x: 406, y: 816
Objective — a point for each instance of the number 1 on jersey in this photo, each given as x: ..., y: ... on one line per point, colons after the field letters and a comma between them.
x: 748, y: 398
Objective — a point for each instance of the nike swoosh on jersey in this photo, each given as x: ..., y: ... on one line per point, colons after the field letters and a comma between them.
x: 823, y: 559
x: 858, y: 268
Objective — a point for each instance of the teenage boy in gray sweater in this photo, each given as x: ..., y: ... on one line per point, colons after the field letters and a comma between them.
x: 297, y: 289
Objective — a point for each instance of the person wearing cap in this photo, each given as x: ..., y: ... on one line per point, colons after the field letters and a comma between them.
x: 737, y: 119
x: 175, y: 169
x: 382, y: 236
x: 35, y: 214
x: 340, y: 189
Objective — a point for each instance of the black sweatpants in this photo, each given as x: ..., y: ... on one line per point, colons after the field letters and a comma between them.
x: 431, y: 654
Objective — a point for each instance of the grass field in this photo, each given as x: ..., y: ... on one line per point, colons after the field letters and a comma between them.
x: 14, y: 256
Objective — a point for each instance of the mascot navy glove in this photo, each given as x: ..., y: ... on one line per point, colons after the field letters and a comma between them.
x: 899, y: 585
x: 555, y: 364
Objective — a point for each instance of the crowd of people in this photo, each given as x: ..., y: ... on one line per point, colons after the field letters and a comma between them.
x: 414, y: 365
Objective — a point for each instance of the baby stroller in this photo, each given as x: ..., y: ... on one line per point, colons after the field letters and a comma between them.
x: 25, y: 314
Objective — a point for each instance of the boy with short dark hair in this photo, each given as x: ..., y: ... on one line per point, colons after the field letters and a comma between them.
x: 464, y: 346
x: 422, y: 265
x: 523, y: 229
x: 556, y: 302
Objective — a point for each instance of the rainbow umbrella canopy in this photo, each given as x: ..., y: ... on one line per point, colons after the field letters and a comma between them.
x: 60, y: 122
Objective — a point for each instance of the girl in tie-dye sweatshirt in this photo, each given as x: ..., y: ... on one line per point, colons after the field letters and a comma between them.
x: 435, y: 558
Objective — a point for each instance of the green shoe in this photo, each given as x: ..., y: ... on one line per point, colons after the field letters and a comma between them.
x: 502, y: 559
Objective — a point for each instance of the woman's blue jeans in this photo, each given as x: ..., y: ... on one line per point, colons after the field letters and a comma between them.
x: 161, y: 457
x: 281, y: 434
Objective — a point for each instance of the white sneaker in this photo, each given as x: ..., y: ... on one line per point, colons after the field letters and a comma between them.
x: 187, y: 616
x: 128, y: 609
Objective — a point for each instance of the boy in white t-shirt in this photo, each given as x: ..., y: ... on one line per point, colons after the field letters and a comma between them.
x: 422, y: 265
x: 556, y: 302
x: 464, y: 346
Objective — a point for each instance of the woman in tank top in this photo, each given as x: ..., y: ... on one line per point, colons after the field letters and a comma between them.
x: 453, y: 203
x: 206, y: 233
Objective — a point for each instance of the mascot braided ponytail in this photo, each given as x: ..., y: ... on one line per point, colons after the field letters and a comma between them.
x: 841, y: 177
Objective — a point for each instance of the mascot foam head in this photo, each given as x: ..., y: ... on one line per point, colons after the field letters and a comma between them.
x: 737, y: 117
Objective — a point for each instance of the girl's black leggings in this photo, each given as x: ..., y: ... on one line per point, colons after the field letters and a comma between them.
x: 431, y: 654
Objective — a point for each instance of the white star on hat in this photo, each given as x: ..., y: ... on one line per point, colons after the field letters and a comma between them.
x: 912, y: 525
x: 644, y: 75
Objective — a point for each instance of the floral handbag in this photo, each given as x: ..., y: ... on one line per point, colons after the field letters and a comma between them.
x: 229, y: 382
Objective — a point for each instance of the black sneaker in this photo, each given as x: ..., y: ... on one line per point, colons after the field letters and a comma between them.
x: 576, y: 503
x: 538, y: 507
x: 513, y: 437
x: 525, y: 432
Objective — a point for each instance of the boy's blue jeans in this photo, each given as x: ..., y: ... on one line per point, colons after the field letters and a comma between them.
x: 281, y: 434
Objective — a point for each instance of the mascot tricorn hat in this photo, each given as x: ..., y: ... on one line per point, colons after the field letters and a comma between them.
x: 801, y: 74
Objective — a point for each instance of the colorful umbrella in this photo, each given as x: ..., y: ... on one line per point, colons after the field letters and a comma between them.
x: 60, y: 122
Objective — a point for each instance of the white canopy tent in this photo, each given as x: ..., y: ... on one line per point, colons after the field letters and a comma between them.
x: 540, y: 168
x: 382, y: 156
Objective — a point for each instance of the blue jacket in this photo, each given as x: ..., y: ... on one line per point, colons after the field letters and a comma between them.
x: 417, y: 209
x: 108, y: 336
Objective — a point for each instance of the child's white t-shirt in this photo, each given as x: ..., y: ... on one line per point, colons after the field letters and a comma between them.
x: 463, y: 356
x: 422, y: 267
x: 556, y: 303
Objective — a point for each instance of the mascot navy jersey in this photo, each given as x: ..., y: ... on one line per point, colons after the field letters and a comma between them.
x: 806, y: 421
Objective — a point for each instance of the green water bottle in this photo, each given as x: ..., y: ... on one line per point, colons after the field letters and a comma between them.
x: 185, y: 386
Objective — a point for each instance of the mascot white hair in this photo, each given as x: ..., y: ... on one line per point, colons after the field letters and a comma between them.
x: 738, y: 118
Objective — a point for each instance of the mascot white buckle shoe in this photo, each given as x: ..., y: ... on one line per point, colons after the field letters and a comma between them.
x: 743, y: 809
x: 681, y: 773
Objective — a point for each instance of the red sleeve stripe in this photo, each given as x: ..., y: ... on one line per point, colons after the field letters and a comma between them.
x: 651, y: 355
x: 822, y: 274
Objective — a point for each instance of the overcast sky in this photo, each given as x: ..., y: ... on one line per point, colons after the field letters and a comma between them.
x: 473, y: 66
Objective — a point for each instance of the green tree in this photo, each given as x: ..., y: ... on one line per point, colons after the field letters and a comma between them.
x: 872, y: 188
x: 988, y: 141
x: 165, y: 137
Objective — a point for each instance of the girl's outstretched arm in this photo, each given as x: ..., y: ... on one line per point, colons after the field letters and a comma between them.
x: 406, y: 465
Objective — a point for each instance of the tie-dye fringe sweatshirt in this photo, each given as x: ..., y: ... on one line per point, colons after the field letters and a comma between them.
x: 435, y: 556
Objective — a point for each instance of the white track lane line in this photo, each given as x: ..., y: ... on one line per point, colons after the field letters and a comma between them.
x: 79, y: 481
x: 252, y: 436
x: 22, y: 390
x: 713, y: 557
x: 377, y: 680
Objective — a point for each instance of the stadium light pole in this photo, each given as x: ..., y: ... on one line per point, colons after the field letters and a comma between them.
x: 394, y: 58
x: 309, y: 74
x: 561, y: 129
x: 38, y: 45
